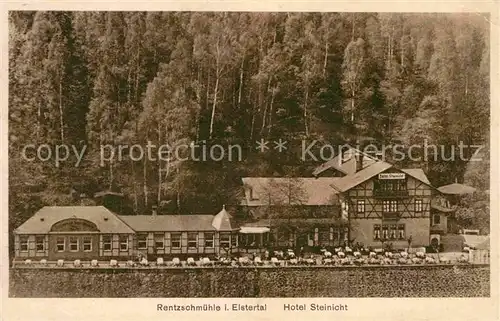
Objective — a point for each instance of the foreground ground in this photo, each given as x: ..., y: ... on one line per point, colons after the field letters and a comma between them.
x: 438, y: 280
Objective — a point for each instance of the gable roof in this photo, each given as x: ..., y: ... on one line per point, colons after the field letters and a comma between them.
x: 105, y: 220
x: 347, y: 182
x: 173, y: 223
x: 346, y: 162
x: 223, y: 221
x: 418, y: 174
x: 278, y: 190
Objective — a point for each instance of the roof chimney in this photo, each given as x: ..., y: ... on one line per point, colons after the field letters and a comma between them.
x: 154, y: 210
x: 359, y: 161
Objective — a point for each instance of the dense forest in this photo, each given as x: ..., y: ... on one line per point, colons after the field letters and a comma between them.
x: 95, y: 78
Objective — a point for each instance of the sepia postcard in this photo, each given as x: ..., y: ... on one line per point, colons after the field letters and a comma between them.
x: 217, y: 160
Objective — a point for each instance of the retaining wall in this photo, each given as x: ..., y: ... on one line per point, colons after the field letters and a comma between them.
x: 374, y: 281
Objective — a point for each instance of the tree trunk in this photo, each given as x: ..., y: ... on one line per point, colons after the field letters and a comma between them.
x: 216, y: 88
x: 241, y: 81
x: 61, y: 116
x: 111, y: 176
x: 198, y: 98
x: 145, y: 181
x: 306, y: 125
x: 138, y: 65
x: 389, y: 56
x: 111, y: 163
x: 208, y: 90
x: 214, y: 106
x: 387, y: 62
x: 166, y: 175
x: 178, y: 195
x: 252, y: 127
x: 38, y: 121
x: 352, y: 106
x: 353, y: 25
x: 159, y: 165
x: 271, y: 112
x: 326, y: 59
x: 39, y: 115
x: 158, y: 199
x: 136, y: 196
x: 264, y: 115
x: 402, y: 55
x: 134, y: 182
x: 129, y: 85
x: 466, y: 88
x: 392, y: 44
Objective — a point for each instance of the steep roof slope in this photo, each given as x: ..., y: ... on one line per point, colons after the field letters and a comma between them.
x: 173, y: 223
x: 105, y: 220
x: 223, y: 221
x: 346, y: 162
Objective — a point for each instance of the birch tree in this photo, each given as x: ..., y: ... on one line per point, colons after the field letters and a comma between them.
x: 353, y: 73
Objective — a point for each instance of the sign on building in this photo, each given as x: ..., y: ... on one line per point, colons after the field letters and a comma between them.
x: 392, y: 176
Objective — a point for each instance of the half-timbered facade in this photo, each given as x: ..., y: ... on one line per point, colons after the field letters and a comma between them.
x: 388, y: 205
x: 379, y: 203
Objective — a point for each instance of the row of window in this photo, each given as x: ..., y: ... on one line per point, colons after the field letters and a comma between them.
x: 72, y: 243
x: 225, y: 240
x: 389, y: 206
x: 107, y: 242
x: 39, y: 243
x: 389, y: 231
x: 390, y: 185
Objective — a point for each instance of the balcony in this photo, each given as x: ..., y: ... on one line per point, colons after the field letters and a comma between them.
x: 378, y: 193
x: 391, y: 216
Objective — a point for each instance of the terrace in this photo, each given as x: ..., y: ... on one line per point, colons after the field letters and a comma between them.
x: 340, y: 257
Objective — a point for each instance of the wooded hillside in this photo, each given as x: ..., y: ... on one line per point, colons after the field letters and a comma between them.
x: 99, y: 78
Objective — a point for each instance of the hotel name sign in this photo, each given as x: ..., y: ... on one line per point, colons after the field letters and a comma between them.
x: 392, y: 176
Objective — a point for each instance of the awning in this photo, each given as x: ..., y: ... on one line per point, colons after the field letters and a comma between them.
x: 456, y: 189
x: 254, y: 230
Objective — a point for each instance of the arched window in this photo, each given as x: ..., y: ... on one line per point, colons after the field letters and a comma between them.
x: 74, y: 225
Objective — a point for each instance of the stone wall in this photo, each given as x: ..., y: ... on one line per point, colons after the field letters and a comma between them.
x: 400, y: 281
